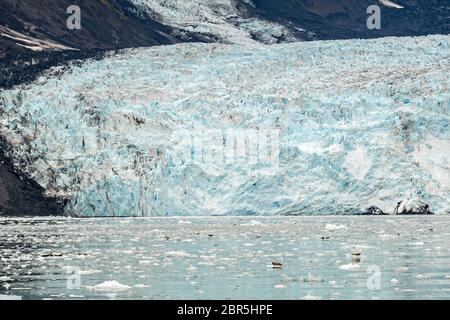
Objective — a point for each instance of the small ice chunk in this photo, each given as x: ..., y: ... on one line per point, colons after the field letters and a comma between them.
x: 191, y: 268
x: 333, y: 227
x: 333, y: 283
x: 401, y: 269
x: 384, y: 236
x: 395, y: 282
x: 280, y: 286
x: 252, y: 223
x: 312, y: 278
x: 179, y: 254
x: 110, y: 286
x: 311, y: 297
x: 88, y: 272
x: 350, y: 266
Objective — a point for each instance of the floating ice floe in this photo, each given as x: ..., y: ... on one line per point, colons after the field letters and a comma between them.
x: 401, y: 269
x: 313, y: 278
x: 178, y: 254
x: 333, y: 227
x: 350, y: 266
x: 110, y: 286
x: 252, y: 223
x: 191, y: 268
x: 311, y: 297
x: 184, y: 222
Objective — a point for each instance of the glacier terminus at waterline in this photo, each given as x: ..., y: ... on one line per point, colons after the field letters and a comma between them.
x: 350, y: 126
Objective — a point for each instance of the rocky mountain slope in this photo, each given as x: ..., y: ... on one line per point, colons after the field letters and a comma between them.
x: 105, y: 24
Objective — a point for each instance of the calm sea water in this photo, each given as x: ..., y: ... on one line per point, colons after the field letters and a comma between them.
x: 226, y: 258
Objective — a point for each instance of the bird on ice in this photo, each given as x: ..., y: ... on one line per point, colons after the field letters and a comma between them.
x: 390, y: 4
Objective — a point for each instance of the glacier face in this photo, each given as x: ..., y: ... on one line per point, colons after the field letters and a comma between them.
x: 329, y: 127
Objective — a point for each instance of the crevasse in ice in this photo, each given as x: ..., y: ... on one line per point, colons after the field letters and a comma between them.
x: 330, y: 127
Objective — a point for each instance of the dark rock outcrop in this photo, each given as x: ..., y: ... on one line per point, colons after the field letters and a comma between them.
x: 423, y: 209
x: 374, y: 211
x: 20, y: 195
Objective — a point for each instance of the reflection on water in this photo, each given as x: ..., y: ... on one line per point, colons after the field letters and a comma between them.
x: 226, y: 258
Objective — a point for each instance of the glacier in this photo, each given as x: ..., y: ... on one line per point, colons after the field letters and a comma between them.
x: 225, y: 21
x: 325, y: 127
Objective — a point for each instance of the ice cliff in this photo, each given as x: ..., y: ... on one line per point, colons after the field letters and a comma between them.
x: 332, y: 127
